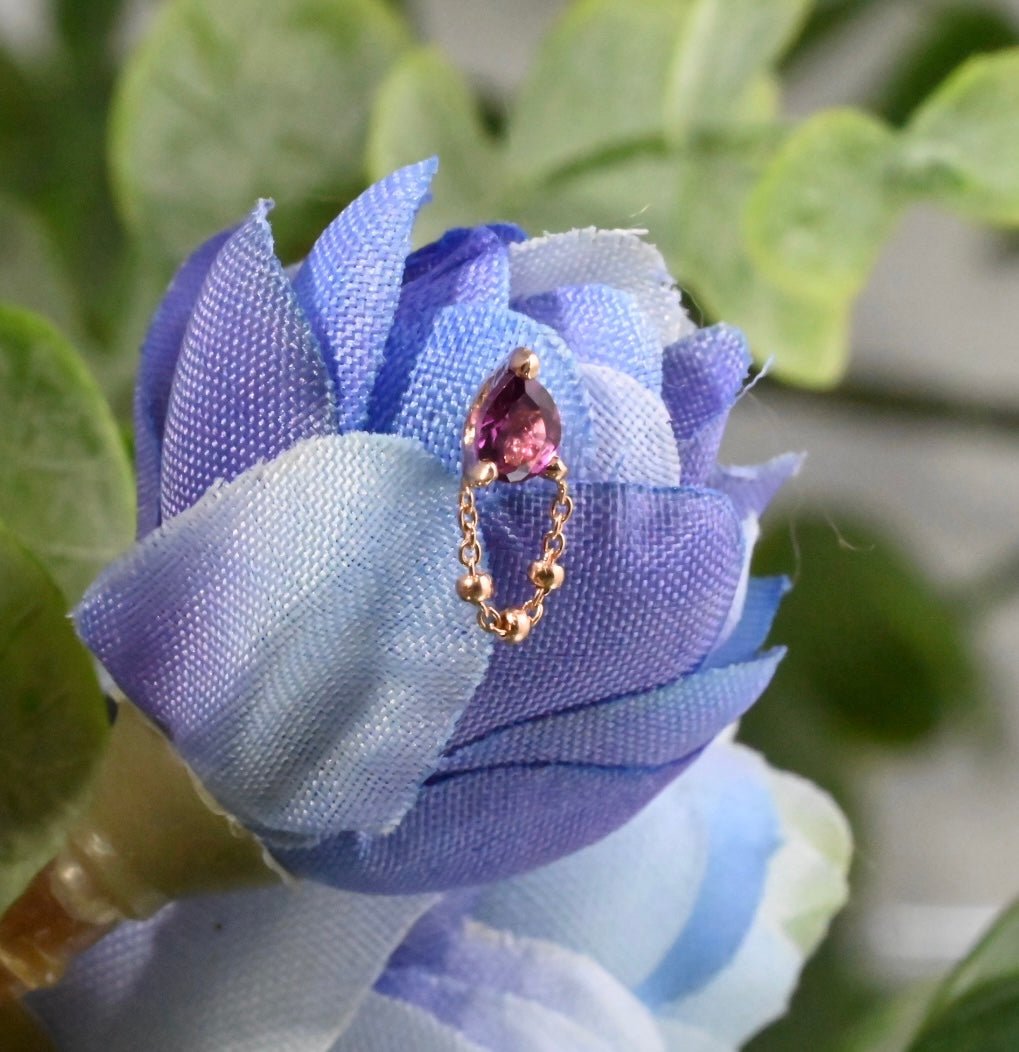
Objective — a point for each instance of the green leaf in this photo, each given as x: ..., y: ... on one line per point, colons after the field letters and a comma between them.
x: 425, y: 108
x: 824, y: 206
x: 978, y: 1005
x: 53, y: 720
x: 948, y: 36
x: 65, y: 483
x: 30, y: 272
x: 962, y: 146
x: 227, y: 102
x: 599, y: 82
x: 723, y: 49
x: 877, y: 651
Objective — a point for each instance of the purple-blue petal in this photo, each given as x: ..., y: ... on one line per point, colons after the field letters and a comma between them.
x: 602, y: 326
x: 485, y: 825
x: 159, y: 355
x: 702, y: 374
x: 641, y: 730
x: 752, y: 489
x: 435, y: 254
x: 466, y: 344
x: 764, y: 595
x: 650, y: 579
x: 249, y: 382
x: 472, y: 267
x: 740, y: 812
x: 350, y: 283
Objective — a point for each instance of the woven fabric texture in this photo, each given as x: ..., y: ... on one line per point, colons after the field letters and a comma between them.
x: 292, y: 622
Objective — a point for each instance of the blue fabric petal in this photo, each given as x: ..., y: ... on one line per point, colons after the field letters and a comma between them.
x: 435, y: 254
x: 350, y: 283
x: 620, y: 259
x: 466, y: 345
x: 650, y: 579
x: 297, y: 634
x: 602, y: 326
x: 282, y: 969
x: 702, y: 375
x: 481, y: 826
x: 642, y: 730
x: 522, y: 969
x: 386, y: 1024
x: 744, y: 824
x: 250, y: 381
x: 159, y: 355
x: 469, y: 266
x: 752, y: 489
x: 764, y: 595
x: 631, y: 437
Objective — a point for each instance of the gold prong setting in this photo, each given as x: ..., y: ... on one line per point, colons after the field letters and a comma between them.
x: 540, y: 425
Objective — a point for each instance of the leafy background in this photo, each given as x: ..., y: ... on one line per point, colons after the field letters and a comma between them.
x: 840, y: 177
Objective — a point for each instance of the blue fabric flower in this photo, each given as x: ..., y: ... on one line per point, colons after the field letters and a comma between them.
x: 288, y: 614
x: 683, y: 931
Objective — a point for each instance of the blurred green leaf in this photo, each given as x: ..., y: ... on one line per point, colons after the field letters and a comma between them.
x: 30, y: 271
x: 978, y: 1006
x: 227, y: 102
x: 425, y: 107
x: 890, y: 1026
x: 878, y: 652
x: 53, y: 719
x: 819, y: 215
x: 827, y: 19
x: 947, y: 38
x: 962, y: 145
x: 725, y: 46
x: 598, y: 82
x: 65, y: 483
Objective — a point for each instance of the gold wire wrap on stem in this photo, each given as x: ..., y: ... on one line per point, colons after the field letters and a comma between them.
x: 513, y: 624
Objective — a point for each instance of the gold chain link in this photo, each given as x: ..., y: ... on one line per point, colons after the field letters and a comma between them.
x: 513, y: 623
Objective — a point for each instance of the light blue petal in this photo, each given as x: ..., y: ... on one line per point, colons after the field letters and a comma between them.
x: 250, y: 381
x: 737, y: 807
x: 602, y: 326
x: 159, y: 355
x: 622, y: 901
x: 631, y: 436
x: 620, y: 259
x: 386, y: 1024
x: 297, y: 634
x: 468, y: 343
x: 484, y: 960
x: 350, y: 283
x: 282, y: 969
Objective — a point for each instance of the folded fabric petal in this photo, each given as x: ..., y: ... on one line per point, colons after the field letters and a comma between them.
x: 484, y: 825
x: 328, y: 657
x: 701, y: 376
x: 631, y: 437
x: 602, y: 326
x: 387, y: 1024
x: 652, y: 576
x: 764, y: 594
x: 159, y: 356
x: 752, y: 489
x: 620, y: 259
x: 279, y: 970
x: 649, y: 729
x: 466, y: 344
x: 349, y: 285
x: 249, y: 382
x: 466, y: 266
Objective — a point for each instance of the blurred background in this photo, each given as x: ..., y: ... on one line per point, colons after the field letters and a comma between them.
x: 901, y: 692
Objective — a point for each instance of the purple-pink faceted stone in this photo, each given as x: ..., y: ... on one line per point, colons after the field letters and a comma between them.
x: 517, y: 427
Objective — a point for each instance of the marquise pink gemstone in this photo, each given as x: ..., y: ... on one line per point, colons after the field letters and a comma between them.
x: 517, y: 427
